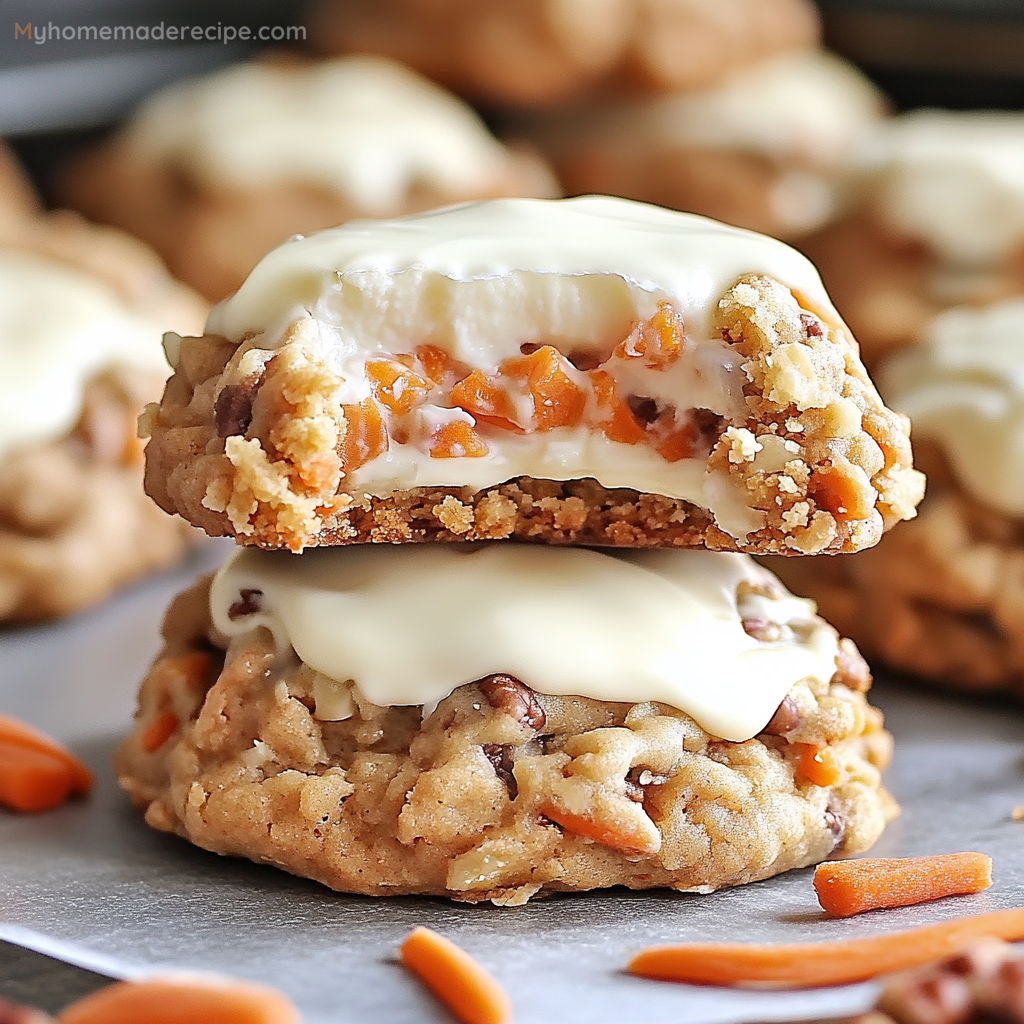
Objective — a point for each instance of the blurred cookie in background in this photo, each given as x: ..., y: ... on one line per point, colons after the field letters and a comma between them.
x: 538, y: 52
x: 17, y: 197
x: 82, y: 310
x: 768, y: 149
x: 942, y: 596
x: 215, y: 171
x: 939, y: 222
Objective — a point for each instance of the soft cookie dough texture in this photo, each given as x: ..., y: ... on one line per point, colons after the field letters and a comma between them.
x: 943, y: 596
x: 536, y: 52
x: 767, y: 149
x: 581, y: 371
x: 938, y: 222
x: 282, y: 722
x: 215, y: 171
x: 82, y: 310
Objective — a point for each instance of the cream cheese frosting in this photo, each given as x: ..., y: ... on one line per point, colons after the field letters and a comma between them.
x: 58, y: 328
x: 963, y: 387
x: 364, y: 127
x: 953, y: 179
x: 482, y: 280
x: 406, y: 626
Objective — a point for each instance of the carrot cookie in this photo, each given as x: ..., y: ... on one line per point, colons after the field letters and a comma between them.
x: 941, y: 223
x: 216, y: 171
x: 81, y: 315
x: 546, y: 51
x: 580, y: 371
x: 768, y: 149
x: 943, y: 597
x: 676, y: 719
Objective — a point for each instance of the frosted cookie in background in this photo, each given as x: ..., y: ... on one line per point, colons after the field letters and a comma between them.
x: 942, y: 597
x: 215, y: 171
x: 82, y: 311
x: 17, y: 196
x: 538, y: 52
x: 939, y: 222
x: 768, y: 149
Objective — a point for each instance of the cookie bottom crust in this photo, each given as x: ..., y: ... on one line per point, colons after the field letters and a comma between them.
x: 941, y: 598
x: 498, y: 793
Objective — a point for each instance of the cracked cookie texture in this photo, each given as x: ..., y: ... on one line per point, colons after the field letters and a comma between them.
x: 499, y: 792
x: 552, y: 400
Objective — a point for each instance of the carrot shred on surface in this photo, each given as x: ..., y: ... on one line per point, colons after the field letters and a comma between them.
x: 849, y: 887
x: 180, y: 1000
x: 36, y: 772
x: 816, y: 964
x: 817, y: 764
x: 159, y: 731
x: 471, y: 994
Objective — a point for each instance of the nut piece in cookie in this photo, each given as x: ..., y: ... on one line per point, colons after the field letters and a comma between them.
x: 940, y: 223
x: 215, y: 171
x: 81, y: 316
x: 484, y: 721
x: 537, y: 52
x: 942, y: 597
x: 767, y: 149
x: 579, y: 371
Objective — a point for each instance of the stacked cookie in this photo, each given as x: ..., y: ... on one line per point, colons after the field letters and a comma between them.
x: 492, y: 629
x: 83, y: 310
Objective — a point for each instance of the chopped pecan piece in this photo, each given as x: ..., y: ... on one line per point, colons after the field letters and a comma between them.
x: 508, y: 694
x: 785, y: 719
x: 232, y: 410
x: 250, y: 602
x: 851, y: 669
x: 762, y: 629
x: 812, y: 325
x: 500, y: 756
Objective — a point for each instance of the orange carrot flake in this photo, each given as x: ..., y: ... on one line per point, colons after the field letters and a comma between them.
x: 159, y: 731
x: 557, y: 400
x: 36, y: 772
x: 439, y: 366
x: 675, y: 443
x: 469, y: 992
x: 817, y: 764
x: 817, y: 964
x: 848, y: 887
x: 658, y: 341
x: 457, y: 439
x: 619, y: 423
x: 485, y: 400
x: 366, y: 436
x: 619, y: 835
x: 395, y: 386
x: 175, y: 1000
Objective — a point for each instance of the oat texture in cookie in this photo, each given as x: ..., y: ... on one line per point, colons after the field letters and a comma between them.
x: 942, y: 597
x: 215, y: 171
x: 463, y: 762
x: 579, y: 371
x: 767, y: 149
x: 537, y: 52
x: 80, y: 324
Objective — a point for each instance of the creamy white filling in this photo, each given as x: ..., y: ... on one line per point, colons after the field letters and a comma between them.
x: 406, y: 626
x: 963, y: 387
x: 953, y: 179
x: 364, y: 127
x: 58, y: 328
x: 481, y: 280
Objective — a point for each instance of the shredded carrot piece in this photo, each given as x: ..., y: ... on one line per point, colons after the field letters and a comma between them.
x: 176, y: 1000
x: 32, y: 780
x: 817, y: 764
x: 658, y: 340
x: 471, y: 994
x: 365, y: 436
x: 486, y: 400
x: 619, y: 835
x: 439, y: 366
x: 20, y: 734
x: 849, y: 887
x: 842, y: 494
x: 676, y: 444
x: 159, y: 731
x: 619, y: 424
x: 192, y: 669
x: 814, y: 964
x: 557, y: 400
x: 396, y: 386
x: 457, y: 439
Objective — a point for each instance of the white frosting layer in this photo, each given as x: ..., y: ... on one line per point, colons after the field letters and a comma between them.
x: 953, y: 179
x: 58, y: 328
x: 963, y: 387
x: 481, y: 280
x: 407, y: 625
x: 364, y: 127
